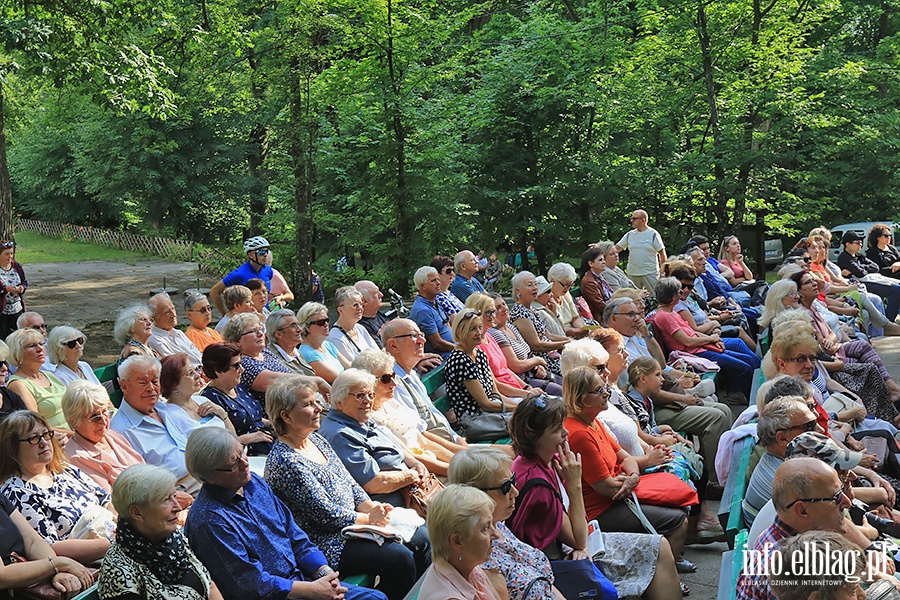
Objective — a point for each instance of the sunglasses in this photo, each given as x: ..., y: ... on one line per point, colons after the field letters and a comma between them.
x: 808, y: 426
x: 387, y: 378
x: 687, y: 286
x: 205, y: 309
x: 836, y: 499
x: 505, y: 488
x: 76, y: 342
x: 320, y: 322
x: 6, y: 245
x: 471, y: 314
x: 262, y: 251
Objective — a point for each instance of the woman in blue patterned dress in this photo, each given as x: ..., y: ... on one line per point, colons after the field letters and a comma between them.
x: 304, y: 471
x: 261, y: 367
x: 52, y: 495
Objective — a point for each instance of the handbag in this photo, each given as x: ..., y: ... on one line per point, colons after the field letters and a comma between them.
x: 486, y: 427
x: 43, y: 590
x: 665, y: 489
x: 577, y: 579
x: 417, y: 497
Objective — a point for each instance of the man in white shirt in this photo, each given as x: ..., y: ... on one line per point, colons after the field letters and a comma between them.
x: 165, y: 338
x: 646, y: 252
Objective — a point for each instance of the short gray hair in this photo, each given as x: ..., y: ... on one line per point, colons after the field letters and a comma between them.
x: 342, y: 294
x: 23, y: 318
x: 206, y: 449
x: 459, y: 259
x: 788, y: 269
x: 476, y: 465
x: 156, y: 299
x: 667, y: 289
x: 776, y: 416
x: 141, y: 485
x: 275, y: 321
x: 604, y: 247
x: 137, y: 362
x: 81, y: 398
x: 517, y: 281
x: 455, y: 509
x: 17, y: 341
x: 612, y: 306
x: 126, y: 319
x: 283, y: 395
x: 192, y: 299
x: 390, y: 329
x: 235, y: 327
x: 579, y: 353
x: 56, y: 347
x: 561, y: 272
x: 366, y: 289
x: 307, y: 312
x: 373, y: 360
x: 422, y: 275
x: 347, y: 380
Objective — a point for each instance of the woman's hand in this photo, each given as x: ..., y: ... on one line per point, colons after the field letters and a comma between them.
x: 567, y: 465
x: 540, y: 372
x: 892, y: 495
x: 629, y: 482
x: 72, y: 568
x: 577, y: 555
x: 379, y: 514
x: 256, y: 437
x: 211, y: 408
x: 658, y: 455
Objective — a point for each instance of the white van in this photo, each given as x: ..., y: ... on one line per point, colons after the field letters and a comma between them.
x: 861, y: 228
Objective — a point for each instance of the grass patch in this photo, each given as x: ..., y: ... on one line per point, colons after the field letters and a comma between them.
x: 32, y: 248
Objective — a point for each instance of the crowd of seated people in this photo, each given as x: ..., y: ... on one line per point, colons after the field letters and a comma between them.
x: 599, y: 388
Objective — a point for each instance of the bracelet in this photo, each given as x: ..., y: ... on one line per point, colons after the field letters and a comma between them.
x: 322, y: 572
x: 52, y: 564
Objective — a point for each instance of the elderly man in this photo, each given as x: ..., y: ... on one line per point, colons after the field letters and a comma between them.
x: 156, y: 430
x: 646, y: 251
x: 403, y: 340
x: 780, y: 421
x: 465, y: 284
x: 373, y: 318
x: 246, y: 536
x: 257, y: 266
x: 283, y: 335
x: 165, y: 337
x: 428, y: 315
x: 808, y: 496
x: 675, y: 406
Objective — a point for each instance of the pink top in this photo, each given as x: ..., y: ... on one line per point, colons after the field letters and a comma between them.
x: 538, y: 518
x: 278, y: 284
x: 667, y: 323
x: 100, y: 464
x: 443, y: 582
x: 734, y: 266
x: 498, y: 364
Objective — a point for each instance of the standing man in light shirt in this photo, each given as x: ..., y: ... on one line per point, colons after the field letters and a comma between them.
x: 646, y: 252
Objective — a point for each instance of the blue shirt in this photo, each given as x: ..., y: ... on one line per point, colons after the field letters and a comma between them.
x: 160, y: 444
x: 250, y: 543
x: 462, y: 288
x: 434, y: 419
x: 365, y: 449
x: 246, y: 272
x: 431, y: 319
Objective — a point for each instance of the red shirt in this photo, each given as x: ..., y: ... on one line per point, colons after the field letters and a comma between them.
x: 599, y: 461
x: 667, y: 323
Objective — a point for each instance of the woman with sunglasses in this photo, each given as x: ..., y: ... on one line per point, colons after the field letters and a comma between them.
x: 550, y: 508
x: 322, y: 355
x: 882, y: 251
x: 52, y: 495
x: 12, y: 288
x: 306, y: 473
x: 399, y: 418
x: 66, y: 347
x: 445, y: 300
x: 199, y: 313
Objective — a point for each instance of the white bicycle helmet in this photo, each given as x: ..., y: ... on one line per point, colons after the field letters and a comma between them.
x: 255, y: 243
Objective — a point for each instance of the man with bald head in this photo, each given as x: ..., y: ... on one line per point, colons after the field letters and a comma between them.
x: 646, y: 251
x: 464, y: 284
x: 373, y: 318
x: 808, y: 496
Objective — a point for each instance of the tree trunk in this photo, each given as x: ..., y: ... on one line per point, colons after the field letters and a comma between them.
x: 257, y: 153
x: 6, y: 204
x: 301, y: 139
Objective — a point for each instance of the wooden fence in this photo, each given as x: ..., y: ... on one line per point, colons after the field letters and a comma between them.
x: 176, y: 250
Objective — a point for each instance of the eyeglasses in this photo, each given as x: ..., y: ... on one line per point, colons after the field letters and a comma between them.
x: 807, y: 427
x: 100, y: 417
x: 237, y: 463
x: 448, y: 271
x: 236, y: 366
x: 387, y: 378
x: 193, y: 372
x: 76, y: 342
x: 256, y: 331
x: 294, y: 326
x: 418, y: 335
x: 630, y: 315
x: 490, y: 313
x: 320, y: 322
x: 363, y: 396
x: 41, y: 327
x: 636, y: 219
x: 567, y: 285
x: 801, y: 359
x: 505, y: 488
x: 687, y: 286
x: 836, y: 499
x: 603, y: 390
x: 471, y: 314
x: 36, y: 439
x: 793, y: 294
x: 205, y: 309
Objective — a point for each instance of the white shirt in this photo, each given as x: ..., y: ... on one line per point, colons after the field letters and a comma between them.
x: 172, y: 342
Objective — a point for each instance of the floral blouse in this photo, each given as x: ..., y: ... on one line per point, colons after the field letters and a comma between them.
x: 323, y: 498
x: 54, y: 512
x: 253, y: 368
x: 520, y: 564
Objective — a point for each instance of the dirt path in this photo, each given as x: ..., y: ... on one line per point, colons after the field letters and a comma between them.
x: 89, y: 295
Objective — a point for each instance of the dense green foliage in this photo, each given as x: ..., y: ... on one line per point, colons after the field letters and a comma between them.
x: 391, y: 130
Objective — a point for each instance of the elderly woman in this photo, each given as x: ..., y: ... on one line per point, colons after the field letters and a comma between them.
x: 460, y: 521
x: 519, y: 357
x: 445, y: 300
x: 304, y: 471
x: 783, y: 295
x: 882, y: 252
x: 316, y: 350
x: 133, y: 328
x: 347, y: 335
x: 260, y: 366
x: 402, y: 420
x: 238, y: 299
x: 471, y: 386
x: 150, y: 558
x: 100, y: 453
x: 180, y: 385
x: 199, y: 313
x: 222, y: 365
x: 530, y: 325
x: 736, y: 361
x: 546, y: 308
x: 562, y: 277
x: 41, y: 391
x: 283, y: 335
x: 66, y: 347
x: 613, y: 274
x: 377, y: 462
x: 53, y: 496
x: 594, y: 288
x: 610, y: 474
